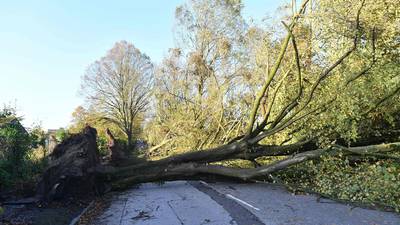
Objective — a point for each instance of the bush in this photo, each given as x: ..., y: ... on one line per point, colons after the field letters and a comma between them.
x: 16, y: 146
x: 61, y: 135
x: 102, y: 145
x: 376, y: 183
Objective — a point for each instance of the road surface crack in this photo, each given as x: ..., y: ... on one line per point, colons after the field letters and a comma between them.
x: 123, y: 211
x: 173, y: 210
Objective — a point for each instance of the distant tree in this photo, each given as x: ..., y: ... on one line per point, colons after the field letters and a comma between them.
x: 82, y: 117
x: 38, y: 136
x: 79, y: 118
x: 61, y: 134
x: 119, y: 86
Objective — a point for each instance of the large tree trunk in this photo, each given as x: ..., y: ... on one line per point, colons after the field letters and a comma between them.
x: 129, y: 140
x: 76, y: 168
x: 194, y: 165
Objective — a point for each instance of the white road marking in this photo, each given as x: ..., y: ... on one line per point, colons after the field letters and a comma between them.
x: 241, y: 201
x: 204, y: 183
x: 232, y: 197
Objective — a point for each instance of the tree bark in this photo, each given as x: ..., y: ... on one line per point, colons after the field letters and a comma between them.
x: 129, y: 140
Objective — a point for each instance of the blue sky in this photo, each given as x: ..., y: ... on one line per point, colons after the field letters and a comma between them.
x: 45, y: 47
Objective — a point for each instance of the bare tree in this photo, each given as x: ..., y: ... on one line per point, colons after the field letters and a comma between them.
x: 119, y: 85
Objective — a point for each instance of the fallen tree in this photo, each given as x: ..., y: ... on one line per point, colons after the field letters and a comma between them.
x: 76, y: 170
x: 199, y: 164
x: 194, y: 166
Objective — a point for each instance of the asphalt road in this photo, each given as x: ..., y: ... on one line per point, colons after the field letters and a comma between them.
x: 200, y: 203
